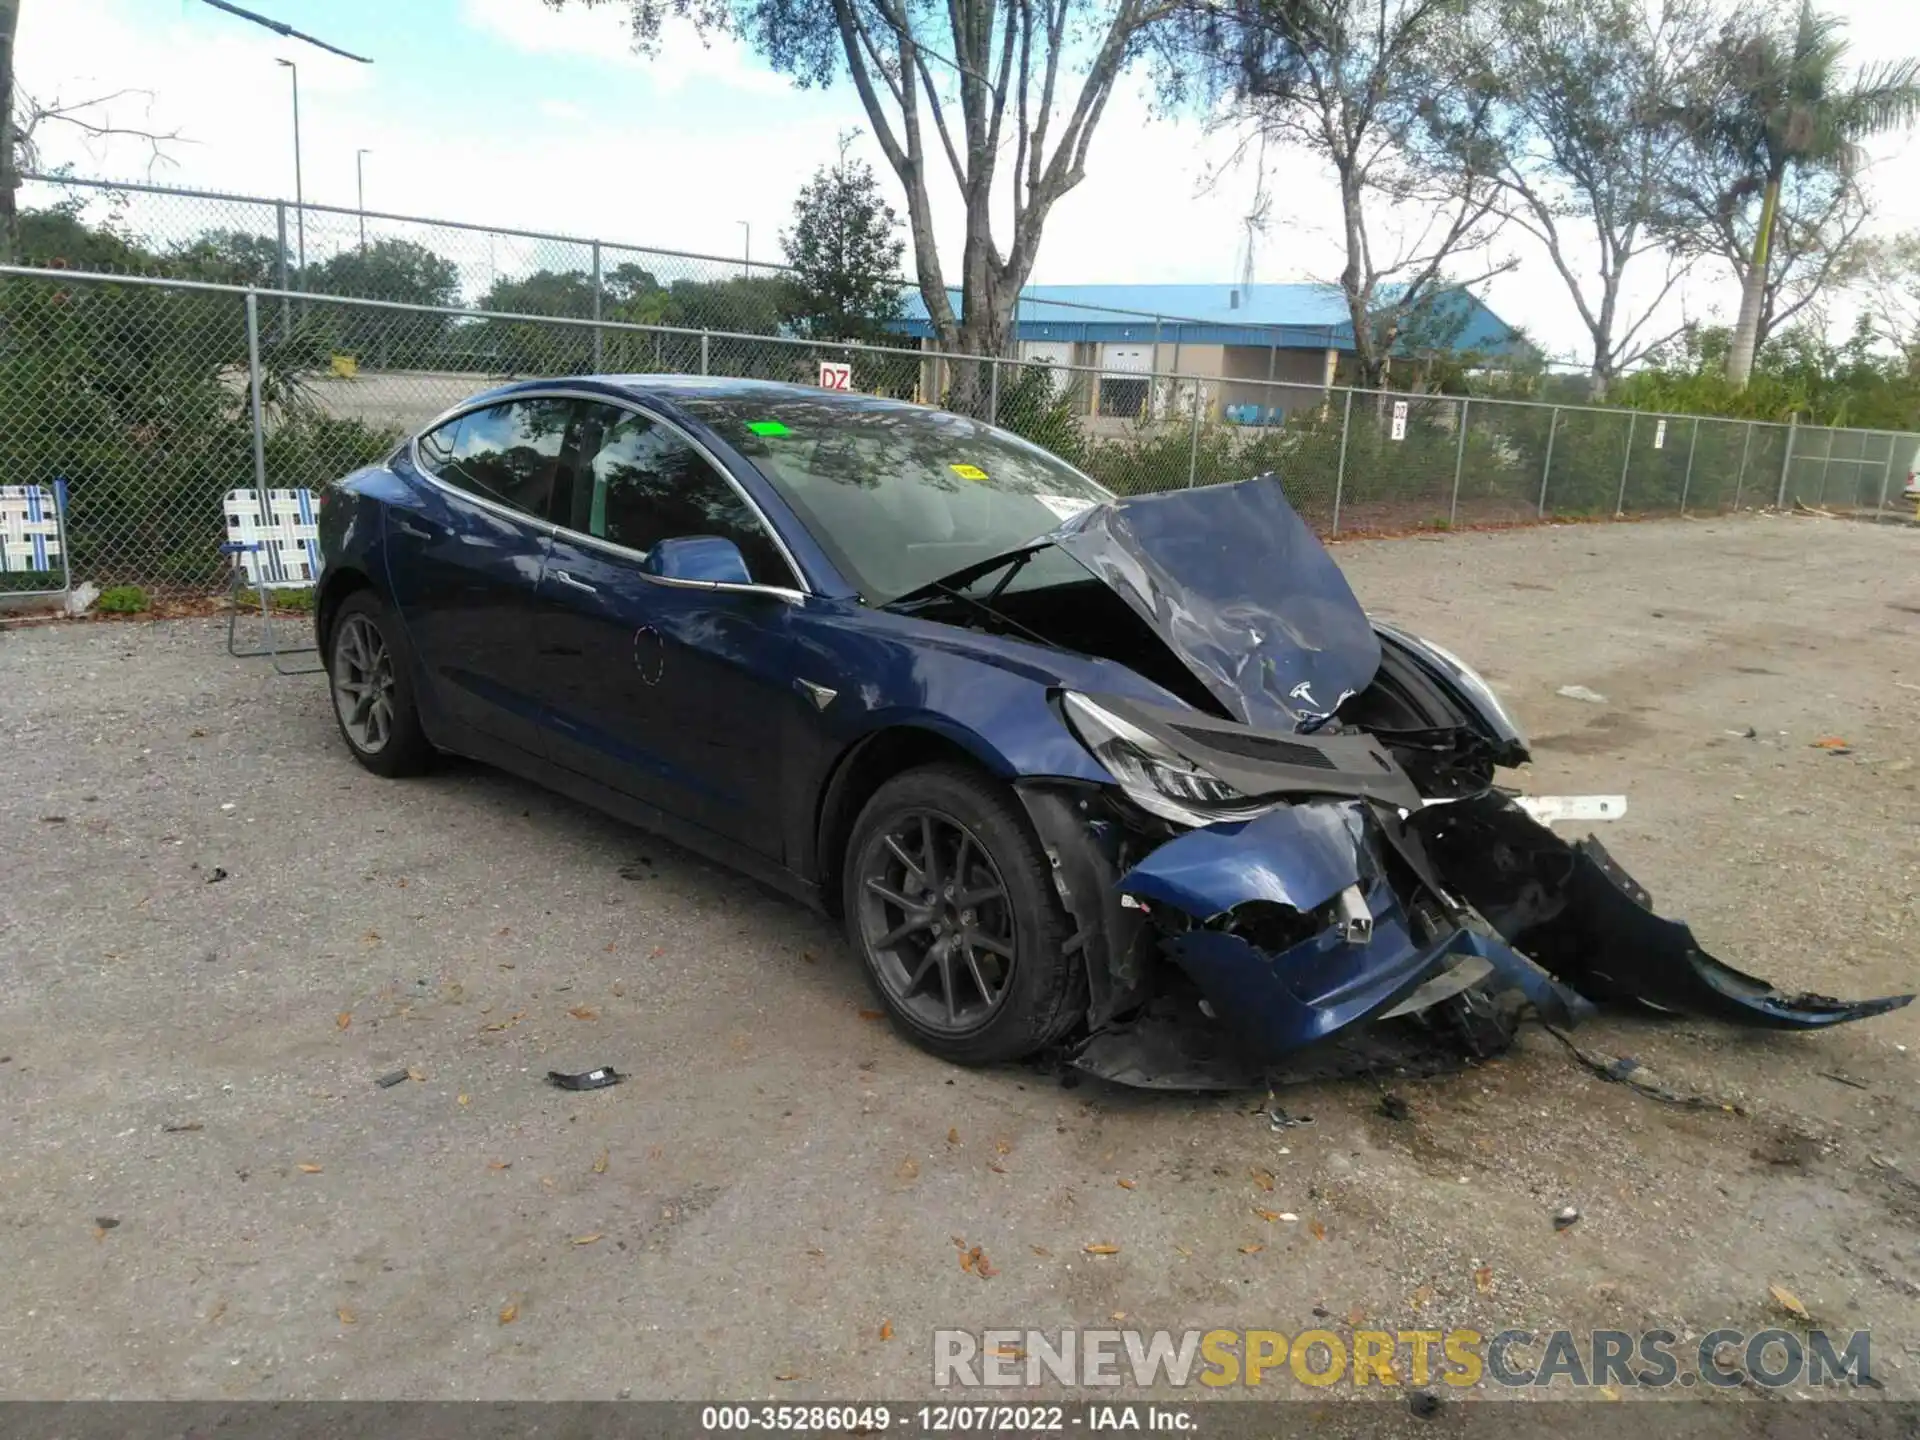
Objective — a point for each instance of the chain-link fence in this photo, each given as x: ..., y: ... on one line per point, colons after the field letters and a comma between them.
x: 134, y: 228
x: 135, y: 398
x: 1848, y: 469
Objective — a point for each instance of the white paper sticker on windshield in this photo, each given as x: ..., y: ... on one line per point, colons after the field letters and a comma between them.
x: 1064, y: 506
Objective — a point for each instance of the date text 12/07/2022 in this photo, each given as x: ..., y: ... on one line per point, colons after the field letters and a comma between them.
x: 947, y: 1419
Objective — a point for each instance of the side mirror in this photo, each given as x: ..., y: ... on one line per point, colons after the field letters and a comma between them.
x: 697, y: 560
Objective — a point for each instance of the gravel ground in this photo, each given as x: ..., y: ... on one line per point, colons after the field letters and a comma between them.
x: 207, y: 1196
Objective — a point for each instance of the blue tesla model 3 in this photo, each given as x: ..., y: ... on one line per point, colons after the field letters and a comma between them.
x: 1132, y: 780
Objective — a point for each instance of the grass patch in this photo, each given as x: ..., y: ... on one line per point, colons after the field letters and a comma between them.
x: 299, y: 601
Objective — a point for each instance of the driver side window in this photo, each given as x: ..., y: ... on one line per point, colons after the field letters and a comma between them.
x: 639, y: 483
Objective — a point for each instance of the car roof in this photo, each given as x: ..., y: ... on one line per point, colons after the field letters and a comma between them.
x: 676, y: 388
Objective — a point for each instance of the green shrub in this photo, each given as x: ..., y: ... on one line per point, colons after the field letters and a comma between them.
x: 1029, y: 406
x: 122, y: 600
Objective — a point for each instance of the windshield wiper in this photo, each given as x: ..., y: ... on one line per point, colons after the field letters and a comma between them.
x: 967, y: 574
x: 941, y: 588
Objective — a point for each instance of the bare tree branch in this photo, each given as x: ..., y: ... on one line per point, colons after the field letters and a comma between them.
x: 1583, y: 127
x: 31, y: 115
x: 967, y: 71
x: 1359, y: 82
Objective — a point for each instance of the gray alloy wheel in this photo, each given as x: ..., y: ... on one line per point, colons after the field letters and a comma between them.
x: 938, y: 922
x: 949, y: 901
x: 363, y: 684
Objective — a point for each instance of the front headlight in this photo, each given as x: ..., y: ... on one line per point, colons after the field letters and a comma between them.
x: 1475, y: 690
x: 1478, y: 690
x: 1154, y: 777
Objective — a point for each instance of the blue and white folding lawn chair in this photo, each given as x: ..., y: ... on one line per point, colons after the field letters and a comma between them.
x: 274, y: 552
x: 33, y: 537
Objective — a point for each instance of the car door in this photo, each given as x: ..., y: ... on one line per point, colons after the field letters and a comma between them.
x: 670, y: 692
x: 465, y: 550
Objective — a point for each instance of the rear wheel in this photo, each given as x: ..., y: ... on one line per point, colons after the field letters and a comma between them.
x: 372, y: 690
x: 950, y: 902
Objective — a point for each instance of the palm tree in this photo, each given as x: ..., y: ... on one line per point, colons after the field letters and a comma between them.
x: 1776, y: 100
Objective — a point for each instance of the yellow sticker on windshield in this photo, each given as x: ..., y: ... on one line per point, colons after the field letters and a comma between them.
x: 968, y: 472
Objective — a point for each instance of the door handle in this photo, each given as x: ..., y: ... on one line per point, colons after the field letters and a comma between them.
x: 418, y: 532
x: 572, y: 584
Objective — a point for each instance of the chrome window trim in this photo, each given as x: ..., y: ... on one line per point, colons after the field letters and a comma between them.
x: 497, y: 507
x: 792, y: 597
x: 554, y: 528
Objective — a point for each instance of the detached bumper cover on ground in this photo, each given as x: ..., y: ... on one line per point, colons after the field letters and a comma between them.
x: 1584, y: 919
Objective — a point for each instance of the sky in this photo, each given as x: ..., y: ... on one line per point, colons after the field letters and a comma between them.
x: 505, y: 112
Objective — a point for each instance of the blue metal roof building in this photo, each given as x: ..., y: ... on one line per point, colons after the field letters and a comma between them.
x: 1289, y: 316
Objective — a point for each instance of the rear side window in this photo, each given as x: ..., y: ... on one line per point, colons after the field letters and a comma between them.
x: 641, y: 483
x: 513, y: 454
x: 435, y: 448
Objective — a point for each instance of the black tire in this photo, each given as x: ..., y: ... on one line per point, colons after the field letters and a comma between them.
x: 370, y: 686
x: 1040, y: 991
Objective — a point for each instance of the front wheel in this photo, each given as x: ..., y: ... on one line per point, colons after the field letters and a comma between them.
x: 372, y: 690
x: 950, y: 903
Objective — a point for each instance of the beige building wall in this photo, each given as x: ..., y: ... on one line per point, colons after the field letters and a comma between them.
x: 1228, y: 375
x: 1300, y: 376
x: 1170, y: 358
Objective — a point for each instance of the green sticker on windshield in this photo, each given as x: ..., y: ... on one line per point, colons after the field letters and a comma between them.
x: 768, y: 427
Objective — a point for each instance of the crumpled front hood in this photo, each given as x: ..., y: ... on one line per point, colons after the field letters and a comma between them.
x: 1241, y: 590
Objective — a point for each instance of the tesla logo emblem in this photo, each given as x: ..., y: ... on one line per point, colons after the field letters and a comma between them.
x: 1304, y: 691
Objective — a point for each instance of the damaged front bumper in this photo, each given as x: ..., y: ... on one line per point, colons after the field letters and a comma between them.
x: 1288, y: 945
x: 1291, y: 929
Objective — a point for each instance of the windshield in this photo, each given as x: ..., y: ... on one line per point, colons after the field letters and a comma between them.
x: 898, y: 495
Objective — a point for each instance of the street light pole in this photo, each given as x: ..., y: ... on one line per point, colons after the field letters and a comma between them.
x: 360, y: 186
x: 299, y: 190
x: 749, y: 251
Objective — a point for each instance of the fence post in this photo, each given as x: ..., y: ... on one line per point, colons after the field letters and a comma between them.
x: 1745, y: 450
x: 1886, y: 477
x: 993, y: 394
x: 270, y: 564
x: 1826, y: 465
x: 1193, y: 445
x: 1546, y: 470
x: 280, y: 269
x: 1786, y: 466
x: 1686, y: 482
x: 599, y: 340
x: 60, y: 530
x: 1153, y: 371
x: 1620, y: 501
x: 705, y: 366
x: 1340, y: 472
x: 1459, y: 463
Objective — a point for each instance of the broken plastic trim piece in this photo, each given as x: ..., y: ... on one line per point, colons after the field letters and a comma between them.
x: 1564, y: 809
x: 1583, y: 919
x: 597, y: 1079
x: 1554, y: 809
x: 1356, y: 921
